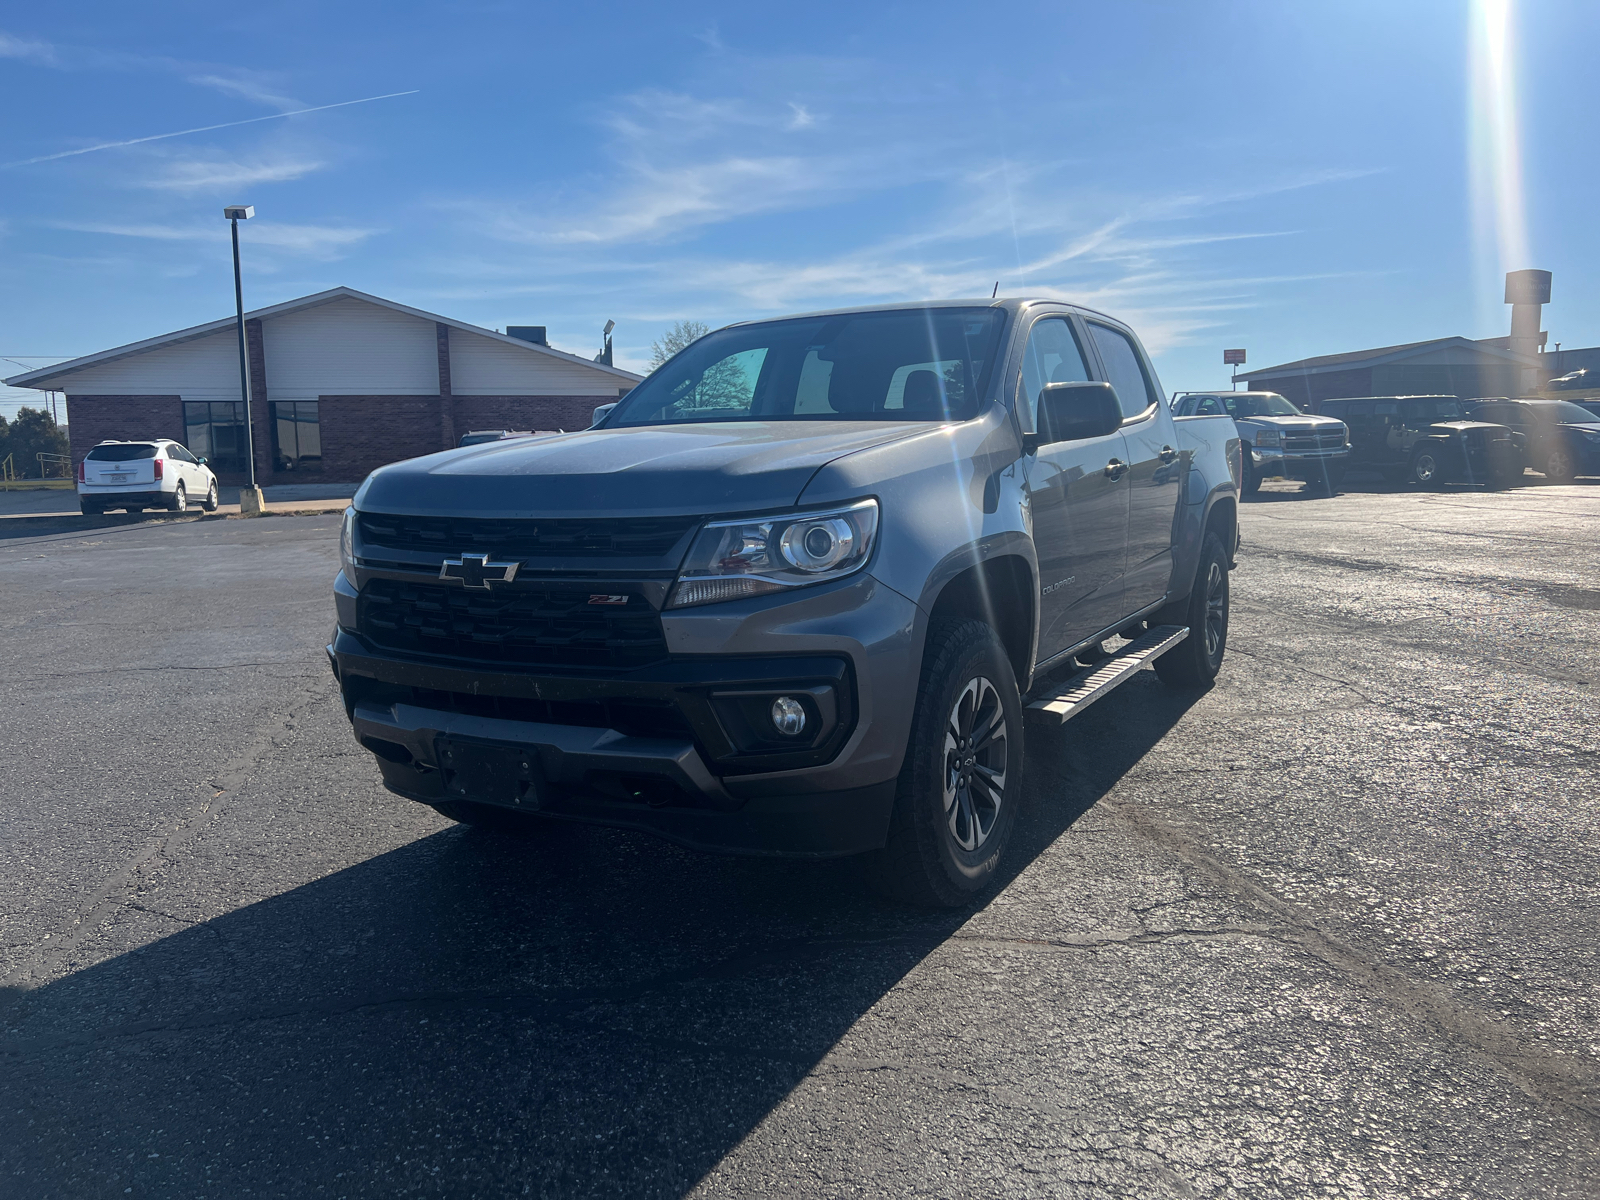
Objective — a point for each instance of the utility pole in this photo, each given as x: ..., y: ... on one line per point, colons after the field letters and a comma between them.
x: 250, y: 502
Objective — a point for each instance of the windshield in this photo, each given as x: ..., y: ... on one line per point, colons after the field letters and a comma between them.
x: 1265, y: 404
x: 123, y: 453
x: 907, y: 365
x: 1563, y: 411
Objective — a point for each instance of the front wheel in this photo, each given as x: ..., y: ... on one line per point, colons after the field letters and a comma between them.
x: 956, y: 802
x: 1426, y: 470
x: 1195, y: 661
x: 210, y: 504
x: 1252, y: 481
x: 1559, y: 466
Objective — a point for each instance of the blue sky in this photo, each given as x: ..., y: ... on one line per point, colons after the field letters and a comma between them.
x: 1292, y: 178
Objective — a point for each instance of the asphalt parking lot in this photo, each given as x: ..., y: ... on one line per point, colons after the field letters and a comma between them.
x: 1325, y: 930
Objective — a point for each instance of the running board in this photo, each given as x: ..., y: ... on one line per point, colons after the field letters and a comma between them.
x: 1092, y: 683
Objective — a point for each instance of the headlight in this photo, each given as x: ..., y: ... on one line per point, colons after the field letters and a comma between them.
x: 347, y: 546
x: 734, y: 559
x: 1269, y: 437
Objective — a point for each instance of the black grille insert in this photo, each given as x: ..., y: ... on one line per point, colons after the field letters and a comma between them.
x: 525, y: 624
x: 566, y: 537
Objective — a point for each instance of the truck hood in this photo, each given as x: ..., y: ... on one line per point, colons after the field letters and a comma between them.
x: 654, y: 470
x: 1292, y: 425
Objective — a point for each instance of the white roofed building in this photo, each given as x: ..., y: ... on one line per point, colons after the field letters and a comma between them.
x: 341, y: 382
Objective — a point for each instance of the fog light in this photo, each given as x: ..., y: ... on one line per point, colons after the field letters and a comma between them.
x: 788, y: 716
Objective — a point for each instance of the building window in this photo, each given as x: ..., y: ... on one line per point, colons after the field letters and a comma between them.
x: 296, y: 435
x: 214, y: 430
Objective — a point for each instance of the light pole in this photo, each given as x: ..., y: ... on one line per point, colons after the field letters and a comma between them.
x: 249, y: 496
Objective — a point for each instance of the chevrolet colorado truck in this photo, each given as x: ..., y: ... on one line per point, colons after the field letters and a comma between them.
x: 798, y: 591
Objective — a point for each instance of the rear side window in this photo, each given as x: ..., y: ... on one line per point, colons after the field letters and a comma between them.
x: 126, y: 453
x: 1124, y: 369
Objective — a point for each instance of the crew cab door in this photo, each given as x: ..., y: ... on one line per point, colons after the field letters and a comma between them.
x: 1154, y: 467
x: 1078, y: 496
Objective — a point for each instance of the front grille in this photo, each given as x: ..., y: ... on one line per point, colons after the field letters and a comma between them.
x: 565, y: 537
x: 635, y: 715
x: 1315, y: 441
x: 523, y: 625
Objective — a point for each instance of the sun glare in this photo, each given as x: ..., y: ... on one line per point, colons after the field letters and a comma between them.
x: 1499, y: 217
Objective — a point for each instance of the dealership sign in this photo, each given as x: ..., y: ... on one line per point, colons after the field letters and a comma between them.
x: 1232, y: 357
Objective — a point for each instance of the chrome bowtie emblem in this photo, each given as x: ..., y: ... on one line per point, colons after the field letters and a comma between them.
x: 476, y: 571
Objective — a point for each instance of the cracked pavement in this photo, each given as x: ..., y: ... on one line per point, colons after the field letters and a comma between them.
x: 1326, y: 930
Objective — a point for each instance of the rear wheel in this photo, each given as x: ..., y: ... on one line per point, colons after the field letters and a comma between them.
x: 956, y: 802
x: 1559, y: 465
x: 90, y: 509
x: 210, y: 504
x: 1426, y: 470
x: 180, y: 500
x: 1195, y: 661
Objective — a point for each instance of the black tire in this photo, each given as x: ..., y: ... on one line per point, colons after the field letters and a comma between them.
x: 1559, y: 466
x: 1426, y: 470
x: 1252, y: 481
x: 180, y: 499
x: 487, y: 816
x: 1195, y: 661
x: 956, y: 803
x: 210, y: 502
x: 90, y: 510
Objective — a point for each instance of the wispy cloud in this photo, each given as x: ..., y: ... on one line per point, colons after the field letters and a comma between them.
x: 311, y: 241
x: 247, y: 86
x: 157, y: 137
x: 27, y: 49
x: 802, y: 118
x: 210, y: 173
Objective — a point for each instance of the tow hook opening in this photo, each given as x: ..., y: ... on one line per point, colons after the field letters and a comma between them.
x: 388, y: 751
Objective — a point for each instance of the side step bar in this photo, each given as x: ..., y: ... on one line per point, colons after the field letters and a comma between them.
x: 1090, y: 684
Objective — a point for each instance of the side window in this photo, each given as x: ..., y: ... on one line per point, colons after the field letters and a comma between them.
x: 1385, y: 408
x: 1358, y: 408
x: 1125, y: 369
x: 179, y: 453
x: 1210, y: 406
x: 1052, y: 356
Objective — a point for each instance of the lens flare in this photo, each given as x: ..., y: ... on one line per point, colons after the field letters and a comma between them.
x: 1500, y: 225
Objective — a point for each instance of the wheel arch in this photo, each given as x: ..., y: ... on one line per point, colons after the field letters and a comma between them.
x: 999, y: 591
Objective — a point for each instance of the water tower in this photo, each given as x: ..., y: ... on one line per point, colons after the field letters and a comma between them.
x: 1527, y: 292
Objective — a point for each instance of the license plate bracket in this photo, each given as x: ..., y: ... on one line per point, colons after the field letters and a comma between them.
x: 490, y: 773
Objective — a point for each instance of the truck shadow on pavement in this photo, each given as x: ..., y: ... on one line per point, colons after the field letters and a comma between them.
x: 584, y: 1013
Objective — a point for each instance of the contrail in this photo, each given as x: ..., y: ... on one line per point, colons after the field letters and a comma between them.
x: 26, y: 162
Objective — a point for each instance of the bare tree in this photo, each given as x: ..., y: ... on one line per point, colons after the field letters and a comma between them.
x: 675, y: 339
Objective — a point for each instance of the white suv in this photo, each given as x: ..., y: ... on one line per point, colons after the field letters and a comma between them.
x: 138, y: 475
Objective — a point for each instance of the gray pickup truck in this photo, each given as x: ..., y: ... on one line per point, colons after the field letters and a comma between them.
x: 798, y: 591
x: 1280, y: 441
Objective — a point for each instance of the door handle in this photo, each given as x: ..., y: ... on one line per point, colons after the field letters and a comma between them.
x: 1116, y: 468
x: 1168, y: 454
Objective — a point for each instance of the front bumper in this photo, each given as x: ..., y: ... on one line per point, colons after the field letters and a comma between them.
x: 662, y: 748
x: 1307, y: 465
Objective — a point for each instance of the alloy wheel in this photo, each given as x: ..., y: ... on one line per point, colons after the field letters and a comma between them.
x: 1216, y: 609
x: 974, y: 763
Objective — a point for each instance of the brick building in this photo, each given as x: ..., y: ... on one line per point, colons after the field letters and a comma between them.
x: 1453, y: 366
x: 340, y: 383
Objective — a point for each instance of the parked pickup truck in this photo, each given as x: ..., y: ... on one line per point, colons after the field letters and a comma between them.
x: 795, y: 592
x: 1280, y: 440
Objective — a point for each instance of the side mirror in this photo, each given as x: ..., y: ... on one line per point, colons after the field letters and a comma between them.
x: 601, y: 413
x: 203, y: 460
x: 1073, y: 412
